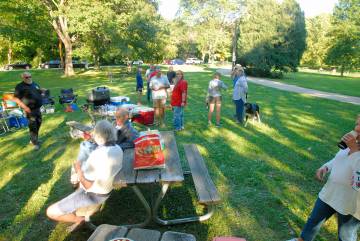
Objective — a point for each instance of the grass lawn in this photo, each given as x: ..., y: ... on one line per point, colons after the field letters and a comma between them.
x: 324, y: 82
x: 264, y: 173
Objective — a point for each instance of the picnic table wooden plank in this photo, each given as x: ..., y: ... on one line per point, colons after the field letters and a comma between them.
x: 148, y: 176
x: 107, y: 232
x: 204, y: 185
x: 139, y: 234
x: 172, y: 171
x: 176, y: 236
x: 127, y: 173
x: 79, y: 126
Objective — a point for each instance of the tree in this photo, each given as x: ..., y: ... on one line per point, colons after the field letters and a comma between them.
x: 23, y: 29
x: 272, y: 35
x: 317, y: 41
x: 344, y: 50
x: 210, y: 24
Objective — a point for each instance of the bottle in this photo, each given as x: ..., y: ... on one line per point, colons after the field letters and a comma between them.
x: 342, y: 144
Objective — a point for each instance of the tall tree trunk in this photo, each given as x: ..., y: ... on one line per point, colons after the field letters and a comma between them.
x: 342, y: 70
x: 69, y: 70
x: 61, y: 54
x: 9, y: 54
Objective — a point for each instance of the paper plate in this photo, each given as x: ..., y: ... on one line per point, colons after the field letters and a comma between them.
x: 121, y: 239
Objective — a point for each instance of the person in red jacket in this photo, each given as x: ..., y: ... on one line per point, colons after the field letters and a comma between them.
x: 178, y: 100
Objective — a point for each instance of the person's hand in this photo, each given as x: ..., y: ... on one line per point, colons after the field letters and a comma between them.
x: 350, y: 141
x: 321, y: 172
x: 27, y: 109
x: 182, y: 104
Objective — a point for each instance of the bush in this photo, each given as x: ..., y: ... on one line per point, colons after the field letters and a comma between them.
x: 256, y: 72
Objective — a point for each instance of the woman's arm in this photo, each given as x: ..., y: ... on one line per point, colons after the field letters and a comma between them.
x: 86, y: 183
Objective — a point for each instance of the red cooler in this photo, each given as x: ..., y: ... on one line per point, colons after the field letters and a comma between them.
x: 143, y: 115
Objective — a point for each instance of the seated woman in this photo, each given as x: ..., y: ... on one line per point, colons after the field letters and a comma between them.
x: 340, y: 194
x: 126, y: 134
x: 96, y: 177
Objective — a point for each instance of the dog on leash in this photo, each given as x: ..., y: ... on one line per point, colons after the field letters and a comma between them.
x: 252, y: 111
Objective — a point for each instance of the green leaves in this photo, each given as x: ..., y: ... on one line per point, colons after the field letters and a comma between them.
x: 272, y: 35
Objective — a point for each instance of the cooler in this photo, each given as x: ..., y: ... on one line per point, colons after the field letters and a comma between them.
x: 119, y: 100
x: 143, y: 115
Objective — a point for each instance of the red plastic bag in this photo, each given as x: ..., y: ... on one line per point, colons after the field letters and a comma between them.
x: 148, y: 152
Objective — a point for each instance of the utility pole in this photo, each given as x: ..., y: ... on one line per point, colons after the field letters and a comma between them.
x: 234, y: 44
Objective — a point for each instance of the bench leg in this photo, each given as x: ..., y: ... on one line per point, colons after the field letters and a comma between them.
x: 146, y: 206
x: 157, y: 219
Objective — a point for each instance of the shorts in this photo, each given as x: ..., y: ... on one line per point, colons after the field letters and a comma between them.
x: 159, y: 103
x: 79, y: 199
x: 215, y: 100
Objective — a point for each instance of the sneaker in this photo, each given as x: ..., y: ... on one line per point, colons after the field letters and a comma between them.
x: 293, y: 239
x: 182, y: 128
x: 209, y: 123
x: 217, y: 125
x: 36, y: 147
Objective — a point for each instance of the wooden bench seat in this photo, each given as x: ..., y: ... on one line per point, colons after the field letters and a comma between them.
x: 106, y: 232
x: 205, y: 187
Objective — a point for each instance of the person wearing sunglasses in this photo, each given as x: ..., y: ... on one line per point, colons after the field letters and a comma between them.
x: 28, y: 97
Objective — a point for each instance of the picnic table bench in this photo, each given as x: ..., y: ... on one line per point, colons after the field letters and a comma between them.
x: 106, y: 232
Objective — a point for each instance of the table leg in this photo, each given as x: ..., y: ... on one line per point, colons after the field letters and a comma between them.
x: 146, y: 206
x: 157, y: 219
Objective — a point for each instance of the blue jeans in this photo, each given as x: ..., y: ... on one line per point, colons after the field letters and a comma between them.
x: 239, y: 105
x: 178, y: 117
x: 347, y: 224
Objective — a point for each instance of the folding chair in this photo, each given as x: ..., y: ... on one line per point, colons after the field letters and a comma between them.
x: 67, y: 96
x: 9, y: 105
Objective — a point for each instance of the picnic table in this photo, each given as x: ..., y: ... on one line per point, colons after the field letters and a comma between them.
x: 170, y: 175
x: 107, y: 232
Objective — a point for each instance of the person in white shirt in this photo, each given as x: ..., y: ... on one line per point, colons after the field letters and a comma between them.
x: 341, y: 193
x: 214, y: 97
x: 96, y: 177
x: 159, y: 84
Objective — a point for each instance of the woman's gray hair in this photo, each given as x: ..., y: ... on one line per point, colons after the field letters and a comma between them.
x: 105, y: 131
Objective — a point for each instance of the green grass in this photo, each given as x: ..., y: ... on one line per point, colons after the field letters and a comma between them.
x: 264, y: 173
x: 324, y: 82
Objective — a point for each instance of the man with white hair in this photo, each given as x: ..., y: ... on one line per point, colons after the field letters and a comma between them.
x: 28, y: 97
x: 125, y: 132
x: 96, y: 177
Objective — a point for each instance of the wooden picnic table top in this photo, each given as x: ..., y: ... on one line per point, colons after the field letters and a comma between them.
x: 171, y: 173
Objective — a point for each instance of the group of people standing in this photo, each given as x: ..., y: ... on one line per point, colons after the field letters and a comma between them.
x: 159, y: 87
x: 173, y: 84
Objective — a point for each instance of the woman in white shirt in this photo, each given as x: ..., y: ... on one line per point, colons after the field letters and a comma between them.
x: 341, y: 193
x: 239, y: 95
x: 96, y: 178
x: 214, y: 98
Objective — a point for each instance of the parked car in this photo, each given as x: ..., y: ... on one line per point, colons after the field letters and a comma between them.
x: 177, y: 62
x: 51, y: 64
x: 19, y: 65
x: 193, y: 61
x: 80, y: 64
x: 137, y: 62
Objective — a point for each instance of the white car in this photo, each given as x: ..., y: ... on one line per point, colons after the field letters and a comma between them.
x: 193, y: 61
x: 137, y: 62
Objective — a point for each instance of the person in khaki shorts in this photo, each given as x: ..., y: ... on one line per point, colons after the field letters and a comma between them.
x: 159, y: 84
x: 214, y: 97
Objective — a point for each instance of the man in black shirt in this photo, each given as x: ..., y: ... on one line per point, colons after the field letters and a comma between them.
x: 28, y: 97
x: 171, y: 75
